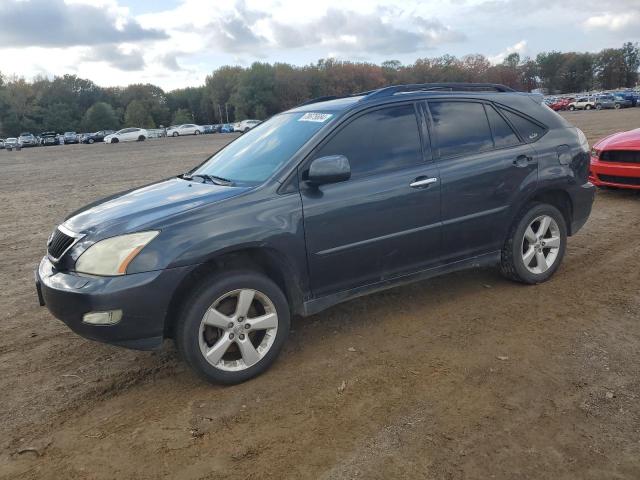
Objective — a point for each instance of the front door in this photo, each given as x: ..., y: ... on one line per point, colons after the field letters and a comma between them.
x: 385, y: 220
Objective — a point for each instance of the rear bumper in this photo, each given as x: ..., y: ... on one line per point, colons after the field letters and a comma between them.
x: 582, y: 197
x: 609, y: 174
x: 143, y: 299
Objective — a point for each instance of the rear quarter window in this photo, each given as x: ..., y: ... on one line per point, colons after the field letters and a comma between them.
x: 503, y: 134
x: 529, y: 130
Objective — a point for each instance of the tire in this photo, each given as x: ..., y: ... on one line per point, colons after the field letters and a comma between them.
x: 617, y: 106
x: 599, y: 106
x: 175, y: 134
x: 193, y: 338
x: 197, y: 132
x: 572, y: 107
x: 514, y: 265
x: 587, y: 107
x: 115, y: 140
x: 141, y: 138
x: 90, y: 141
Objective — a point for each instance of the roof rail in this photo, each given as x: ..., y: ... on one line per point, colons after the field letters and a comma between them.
x: 318, y: 99
x: 429, y: 87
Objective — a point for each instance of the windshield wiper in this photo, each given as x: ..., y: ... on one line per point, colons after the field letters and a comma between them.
x: 208, y: 178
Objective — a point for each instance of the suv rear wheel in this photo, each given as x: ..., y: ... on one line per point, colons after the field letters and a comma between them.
x: 233, y: 326
x: 535, y: 245
x: 587, y: 107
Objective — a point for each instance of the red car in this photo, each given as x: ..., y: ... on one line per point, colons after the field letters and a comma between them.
x: 560, y: 104
x: 615, y: 160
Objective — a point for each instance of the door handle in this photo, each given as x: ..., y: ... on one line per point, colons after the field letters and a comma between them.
x: 422, y: 182
x: 523, y: 161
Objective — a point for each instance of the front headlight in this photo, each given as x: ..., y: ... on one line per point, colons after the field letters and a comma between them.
x: 112, y: 256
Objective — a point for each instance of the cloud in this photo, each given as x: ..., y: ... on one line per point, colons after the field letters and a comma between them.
x: 387, y: 31
x: 614, y: 22
x: 233, y: 32
x: 54, y: 23
x: 518, y: 48
x: 170, y: 62
x: 128, y: 62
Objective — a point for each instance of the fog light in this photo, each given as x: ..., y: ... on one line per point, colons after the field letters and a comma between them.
x: 102, y: 318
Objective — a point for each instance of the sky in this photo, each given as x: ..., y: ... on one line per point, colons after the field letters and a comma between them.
x: 176, y: 43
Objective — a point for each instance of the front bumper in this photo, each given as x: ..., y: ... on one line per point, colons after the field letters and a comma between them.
x: 610, y: 174
x: 143, y: 298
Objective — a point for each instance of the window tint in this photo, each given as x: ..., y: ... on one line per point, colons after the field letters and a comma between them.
x: 460, y: 128
x: 528, y: 130
x: 382, y: 140
x: 503, y: 134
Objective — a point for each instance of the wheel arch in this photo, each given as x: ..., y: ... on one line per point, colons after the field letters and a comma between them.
x: 265, y: 260
x: 556, y: 197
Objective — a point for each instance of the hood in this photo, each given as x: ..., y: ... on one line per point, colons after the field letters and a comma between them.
x: 620, y: 141
x: 134, y: 209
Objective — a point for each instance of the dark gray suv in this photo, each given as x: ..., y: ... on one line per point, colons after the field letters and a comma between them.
x: 328, y: 201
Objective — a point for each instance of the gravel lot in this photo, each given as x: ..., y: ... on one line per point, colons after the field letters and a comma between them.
x: 467, y: 376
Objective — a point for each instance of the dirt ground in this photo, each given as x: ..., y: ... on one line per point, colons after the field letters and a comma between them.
x: 467, y: 376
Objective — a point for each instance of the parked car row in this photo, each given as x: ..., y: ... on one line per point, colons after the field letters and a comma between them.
x: 193, y: 129
x: 596, y: 101
x: 130, y: 134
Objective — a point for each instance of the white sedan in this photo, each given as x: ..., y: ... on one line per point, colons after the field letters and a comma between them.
x: 186, y: 129
x: 127, y: 135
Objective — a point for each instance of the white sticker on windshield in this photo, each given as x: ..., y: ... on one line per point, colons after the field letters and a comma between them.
x: 315, y: 117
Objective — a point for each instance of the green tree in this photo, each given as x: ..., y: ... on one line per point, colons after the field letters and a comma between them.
x: 100, y: 116
x: 631, y: 54
x: 138, y: 115
x: 219, y: 86
x: 255, y: 92
x: 549, y: 68
x: 152, y: 97
x: 611, y: 68
x: 182, y: 115
x: 58, y: 117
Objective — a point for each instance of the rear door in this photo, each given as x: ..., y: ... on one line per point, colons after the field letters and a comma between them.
x: 384, y: 220
x: 484, y: 165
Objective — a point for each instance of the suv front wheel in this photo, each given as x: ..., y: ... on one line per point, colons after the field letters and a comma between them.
x: 535, y: 245
x: 233, y: 327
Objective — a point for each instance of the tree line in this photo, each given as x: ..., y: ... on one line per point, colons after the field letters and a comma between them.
x: 232, y: 93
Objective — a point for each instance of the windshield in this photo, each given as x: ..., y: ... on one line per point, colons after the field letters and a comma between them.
x: 257, y: 154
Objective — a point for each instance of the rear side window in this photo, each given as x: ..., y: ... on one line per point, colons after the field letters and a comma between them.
x: 503, y: 134
x: 460, y: 128
x: 529, y: 131
x: 378, y: 141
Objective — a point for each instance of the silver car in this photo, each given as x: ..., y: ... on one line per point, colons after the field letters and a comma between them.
x: 12, y: 144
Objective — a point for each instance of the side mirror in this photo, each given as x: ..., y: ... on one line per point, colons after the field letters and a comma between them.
x: 331, y: 169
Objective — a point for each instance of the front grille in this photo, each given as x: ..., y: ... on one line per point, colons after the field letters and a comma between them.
x: 619, y: 180
x: 59, y: 243
x: 620, y: 156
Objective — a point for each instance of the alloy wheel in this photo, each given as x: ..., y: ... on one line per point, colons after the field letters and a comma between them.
x: 238, y: 330
x: 541, y: 244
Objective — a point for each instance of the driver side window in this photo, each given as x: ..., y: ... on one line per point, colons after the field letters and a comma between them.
x: 381, y: 140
